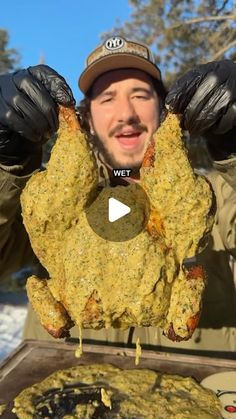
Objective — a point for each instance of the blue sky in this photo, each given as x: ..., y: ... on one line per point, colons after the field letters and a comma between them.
x: 64, y: 32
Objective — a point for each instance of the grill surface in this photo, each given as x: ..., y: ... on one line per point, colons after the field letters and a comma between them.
x: 33, y: 361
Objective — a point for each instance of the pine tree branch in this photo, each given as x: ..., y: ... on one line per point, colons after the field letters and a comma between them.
x: 222, y: 7
x: 204, y: 19
x: 223, y: 50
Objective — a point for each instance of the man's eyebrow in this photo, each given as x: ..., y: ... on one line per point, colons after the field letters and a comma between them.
x: 142, y: 89
x: 107, y: 93
x: 112, y: 93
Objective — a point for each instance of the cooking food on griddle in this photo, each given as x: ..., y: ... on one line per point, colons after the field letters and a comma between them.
x: 97, y: 283
x: 105, y: 391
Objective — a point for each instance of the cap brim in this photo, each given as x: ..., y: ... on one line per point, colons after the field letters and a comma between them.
x: 113, y: 62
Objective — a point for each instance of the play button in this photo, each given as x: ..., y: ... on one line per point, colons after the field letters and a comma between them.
x: 116, y: 210
x: 118, y: 213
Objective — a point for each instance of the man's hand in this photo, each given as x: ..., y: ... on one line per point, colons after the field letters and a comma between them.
x: 206, y: 98
x: 28, y: 109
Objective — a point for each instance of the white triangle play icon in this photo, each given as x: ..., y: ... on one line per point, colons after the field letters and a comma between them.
x: 116, y: 210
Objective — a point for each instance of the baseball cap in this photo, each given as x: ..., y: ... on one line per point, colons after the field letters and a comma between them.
x: 116, y: 53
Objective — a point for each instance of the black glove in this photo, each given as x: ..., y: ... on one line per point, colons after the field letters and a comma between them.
x: 28, y: 110
x: 206, y: 98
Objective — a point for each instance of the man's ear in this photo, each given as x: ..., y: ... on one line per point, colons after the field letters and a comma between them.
x: 91, y: 127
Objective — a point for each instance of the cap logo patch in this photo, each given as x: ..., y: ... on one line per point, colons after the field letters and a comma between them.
x: 114, y: 43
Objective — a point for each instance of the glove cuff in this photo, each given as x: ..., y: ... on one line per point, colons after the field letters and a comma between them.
x: 18, y: 155
x: 25, y: 167
x: 222, y: 147
x: 15, y: 149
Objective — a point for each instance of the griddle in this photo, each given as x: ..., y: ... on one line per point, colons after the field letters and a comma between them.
x: 34, y: 360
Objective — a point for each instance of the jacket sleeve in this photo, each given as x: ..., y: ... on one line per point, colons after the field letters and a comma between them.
x: 223, y: 180
x: 15, y: 249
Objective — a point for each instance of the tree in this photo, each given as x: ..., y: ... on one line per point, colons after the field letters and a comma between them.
x: 182, y: 33
x: 9, y: 57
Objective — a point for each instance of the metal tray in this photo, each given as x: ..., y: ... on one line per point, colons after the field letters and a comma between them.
x: 34, y: 360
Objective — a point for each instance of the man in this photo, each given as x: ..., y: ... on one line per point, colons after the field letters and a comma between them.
x: 124, y: 98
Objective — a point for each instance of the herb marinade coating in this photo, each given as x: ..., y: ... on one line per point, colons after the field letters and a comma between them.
x: 97, y: 283
x: 131, y: 393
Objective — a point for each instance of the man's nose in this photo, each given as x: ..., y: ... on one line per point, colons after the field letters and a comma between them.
x: 126, y: 112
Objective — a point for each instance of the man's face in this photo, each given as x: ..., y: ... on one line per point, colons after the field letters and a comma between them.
x: 124, y: 114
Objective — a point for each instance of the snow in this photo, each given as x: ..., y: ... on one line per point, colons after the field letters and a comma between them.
x: 12, y: 318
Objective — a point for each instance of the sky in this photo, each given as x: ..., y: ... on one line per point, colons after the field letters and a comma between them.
x: 63, y: 32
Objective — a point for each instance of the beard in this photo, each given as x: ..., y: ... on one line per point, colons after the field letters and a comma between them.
x: 110, y: 159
